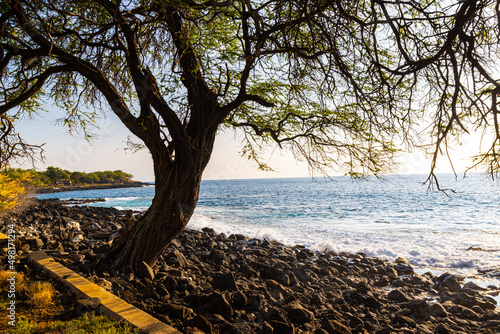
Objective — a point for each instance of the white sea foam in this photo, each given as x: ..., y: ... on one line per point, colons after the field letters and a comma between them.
x: 382, y: 219
x: 121, y: 198
x: 446, y: 251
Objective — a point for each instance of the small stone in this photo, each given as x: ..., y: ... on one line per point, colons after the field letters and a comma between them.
x: 398, y: 283
x: 401, y: 260
x: 404, y: 320
x: 85, y: 305
x: 477, y: 309
x: 150, y: 292
x: 176, y: 243
x: 145, y: 271
x: 129, y: 276
x: 105, y: 284
x: 25, y: 248
x: 288, y: 279
x: 474, y: 286
x: 442, y: 329
x: 404, y: 269
x: 283, y: 327
x: 176, y: 258
x: 470, y: 314
x: 239, y: 300
x: 171, y: 283
x: 488, y: 303
x: 423, y: 329
x: 209, y: 231
x: 201, y: 323
x: 333, y: 326
x: 267, y: 328
x: 270, y: 283
x: 174, y: 310
x: 305, y: 254
x: 241, y: 237
x: 253, y: 242
x: 35, y: 243
x: 320, y: 331
x: 162, y: 291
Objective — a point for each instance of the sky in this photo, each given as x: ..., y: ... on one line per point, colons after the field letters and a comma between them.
x: 106, y: 152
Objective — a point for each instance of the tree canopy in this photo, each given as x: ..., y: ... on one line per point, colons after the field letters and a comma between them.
x: 339, y: 83
x: 53, y: 175
x: 319, y: 77
x: 336, y: 82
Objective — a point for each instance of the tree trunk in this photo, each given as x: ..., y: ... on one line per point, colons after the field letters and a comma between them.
x: 176, y: 195
x: 178, y: 167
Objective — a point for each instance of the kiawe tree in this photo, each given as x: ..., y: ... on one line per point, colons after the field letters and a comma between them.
x: 338, y: 83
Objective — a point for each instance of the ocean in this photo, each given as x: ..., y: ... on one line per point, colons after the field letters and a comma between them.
x: 395, y: 217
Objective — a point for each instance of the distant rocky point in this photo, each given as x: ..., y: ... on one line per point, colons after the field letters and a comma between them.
x: 78, y: 187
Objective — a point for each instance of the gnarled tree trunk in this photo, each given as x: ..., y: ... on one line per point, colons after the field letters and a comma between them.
x: 176, y: 195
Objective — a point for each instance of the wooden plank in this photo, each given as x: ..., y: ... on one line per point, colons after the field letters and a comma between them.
x: 110, y: 305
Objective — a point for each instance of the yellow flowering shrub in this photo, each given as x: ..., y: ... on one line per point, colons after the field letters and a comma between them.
x: 10, y: 191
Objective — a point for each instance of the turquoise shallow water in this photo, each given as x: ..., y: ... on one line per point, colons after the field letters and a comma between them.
x: 396, y: 217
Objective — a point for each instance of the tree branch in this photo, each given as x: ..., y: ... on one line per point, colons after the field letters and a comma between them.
x: 40, y: 81
x: 86, y: 69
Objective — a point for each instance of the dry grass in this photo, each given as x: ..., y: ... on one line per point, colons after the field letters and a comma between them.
x: 39, y: 294
x: 86, y: 324
x: 5, y: 282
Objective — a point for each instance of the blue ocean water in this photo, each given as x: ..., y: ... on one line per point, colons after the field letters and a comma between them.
x: 387, y: 219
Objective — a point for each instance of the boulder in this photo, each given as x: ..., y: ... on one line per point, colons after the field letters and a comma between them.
x: 174, y: 310
x: 176, y: 258
x: 451, y: 282
x: 423, y: 329
x: 419, y: 309
x: 25, y: 248
x: 398, y: 295
x: 474, y: 286
x: 438, y: 310
x: 404, y: 320
x: 150, y: 292
x: 335, y: 327
x: 218, y: 304
x: 225, y: 282
x: 171, y: 283
x: 282, y: 327
x: 35, y: 243
x: 297, y: 313
x: 201, y: 323
x: 162, y: 291
x: 404, y: 269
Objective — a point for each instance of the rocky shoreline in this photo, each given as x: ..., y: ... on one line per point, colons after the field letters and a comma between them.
x: 233, y: 284
x: 62, y: 188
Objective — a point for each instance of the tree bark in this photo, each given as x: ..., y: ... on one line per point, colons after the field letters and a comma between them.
x: 176, y: 195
